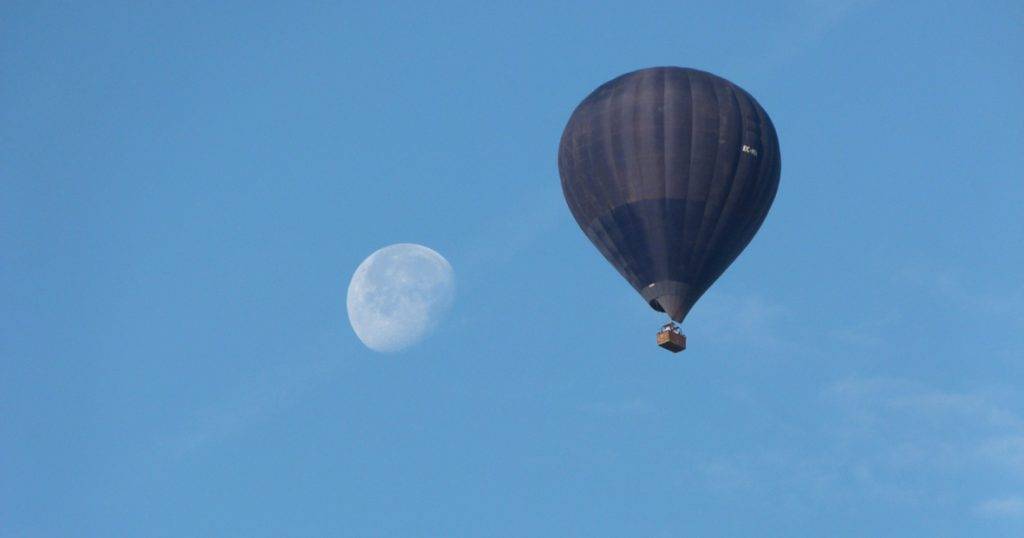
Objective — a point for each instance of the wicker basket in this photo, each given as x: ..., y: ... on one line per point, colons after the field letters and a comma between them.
x: 672, y: 341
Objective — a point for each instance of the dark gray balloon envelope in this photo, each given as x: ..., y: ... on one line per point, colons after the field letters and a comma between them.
x: 670, y: 172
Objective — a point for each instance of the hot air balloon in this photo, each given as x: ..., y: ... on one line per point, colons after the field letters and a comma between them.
x: 670, y: 172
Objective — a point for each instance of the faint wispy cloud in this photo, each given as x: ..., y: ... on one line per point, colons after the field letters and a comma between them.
x: 624, y: 408
x: 875, y: 404
x: 963, y: 293
x: 750, y: 318
x: 726, y: 474
x: 505, y: 235
x: 886, y: 396
x: 1001, y: 507
x: 249, y: 401
x: 889, y: 440
x: 1006, y: 451
x: 810, y: 22
x: 898, y: 426
x: 867, y: 333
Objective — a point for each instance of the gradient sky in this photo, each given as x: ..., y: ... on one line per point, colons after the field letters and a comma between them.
x: 186, y: 191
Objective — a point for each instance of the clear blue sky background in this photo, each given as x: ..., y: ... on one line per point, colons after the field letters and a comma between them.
x: 187, y: 189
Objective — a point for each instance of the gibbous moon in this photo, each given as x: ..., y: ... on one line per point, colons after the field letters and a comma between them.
x: 398, y: 295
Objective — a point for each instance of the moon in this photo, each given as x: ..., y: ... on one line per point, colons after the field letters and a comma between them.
x: 398, y: 295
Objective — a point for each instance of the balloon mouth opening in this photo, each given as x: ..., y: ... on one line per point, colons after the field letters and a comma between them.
x: 668, y: 297
x: 674, y: 310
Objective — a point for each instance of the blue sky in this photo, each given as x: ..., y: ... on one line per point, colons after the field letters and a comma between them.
x: 187, y: 190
